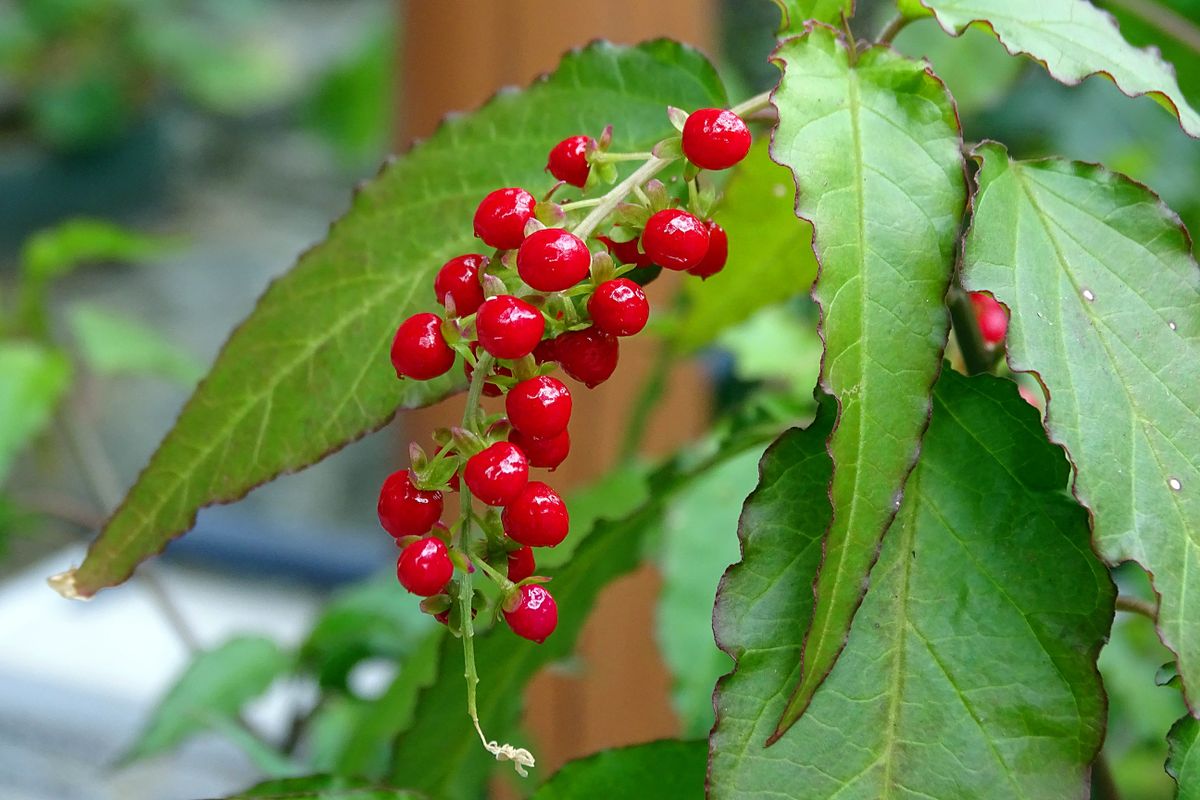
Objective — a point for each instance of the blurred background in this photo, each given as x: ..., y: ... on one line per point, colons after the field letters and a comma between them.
x: 162, y: 160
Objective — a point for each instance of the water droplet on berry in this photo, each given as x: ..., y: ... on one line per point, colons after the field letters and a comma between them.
x: 1175, y: 484
x: 1087, y: 295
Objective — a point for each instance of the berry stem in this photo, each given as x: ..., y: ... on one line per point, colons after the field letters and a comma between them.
x: 499, y: 579
x: 600, y: 158
x: 752, y: 105
x: 578, y: 204
x: 976, y: 357
x: 894, y: 26
x: 615, y: 195
x: 1136, y: 605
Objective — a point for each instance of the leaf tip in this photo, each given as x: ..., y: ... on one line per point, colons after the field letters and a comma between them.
x: 64, y: 584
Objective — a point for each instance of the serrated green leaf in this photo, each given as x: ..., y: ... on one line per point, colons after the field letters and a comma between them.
x: 114, y: 345
x: 32, y: 381
x: 1105, y: 302
x: 770, y: 253
x: 216, y: 684
x: 970, y: 671
x: 666, y: 770
x: 1183, y: 763
x: 1073, y: 40
x: 875, y: 149
x: 308, y: 371
x: 321, y: 787
x: 795, y: 13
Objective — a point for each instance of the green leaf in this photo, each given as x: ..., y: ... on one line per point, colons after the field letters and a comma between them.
x: 308, y: 371
x: 795, y: 13
x: 1105, y: 302
x: 875, y: 149
x: 32, y: 381
x: 674, y: 769
x: 1073, y: 40
x: 56, y: 251
x: 1183, y: 764
x: 215, y: 685
x: 976, y: 69
x: 779, y: 345
x: 770, y: 254
x: 321, y: 787
x: 114, y: 345
x: 981, y: 628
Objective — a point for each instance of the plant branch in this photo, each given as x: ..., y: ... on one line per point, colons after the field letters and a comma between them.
x: 1136, y: 605
x: 752, y: 105
x: 613, y: 197
x: 894, y: 26
x: 975, y: 352
x: 1166, y: 20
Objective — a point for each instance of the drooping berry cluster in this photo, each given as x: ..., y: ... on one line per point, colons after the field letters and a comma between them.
x: 544, y: 299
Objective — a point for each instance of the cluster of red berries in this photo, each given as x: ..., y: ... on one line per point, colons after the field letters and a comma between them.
x: 542, y: 300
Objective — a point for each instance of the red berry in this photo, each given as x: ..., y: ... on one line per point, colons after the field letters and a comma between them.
x: 532, y: 613
x: 419, y: 350
x: 539, y: 407
x: 589, y: 356
x: 718, y: 251
x: 714, y: 138
x: 568, y: 160
x: 459, y: 279
x: 424, y: 567
x: 626, y: 252
x: 405, y: 510
x: 543, y: 453
x: 993, y: 320
x: 537, y: 516
x: 501, y: 217
x: 675, y: 239
x: 521, y: 563
x: 497, y: 474
x: 508, y: 327
x: 552, y: 259
x: 619, y: 307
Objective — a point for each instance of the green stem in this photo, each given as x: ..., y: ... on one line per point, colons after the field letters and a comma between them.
x: 615, y: 195
x: 894, y: 26
x: 1136, y: 605
x: 752, y: 105
x: 976, y: 356
x: 599, y: 157
x: 575, y: 205
x: 499, y: 579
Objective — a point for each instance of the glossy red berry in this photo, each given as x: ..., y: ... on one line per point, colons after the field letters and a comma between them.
x: 568, y: 160
x: 718, y: 252
x: 508, y: 327
x: 458, y: 279
x: 424, y: 567
x: 619, y: 307
x: 497, y: 474
x: 539, y: 407
x: 537, y: 516
x: 419, y: 350
x: 675, y: 239
x: 543, y: 453
x: 626, y: 252
x: 589, y: 356
x: 501, y: 217
x: 532, y: 613
x: 521, y: 563
x: 714, y: 138
x: 405, y: 510
x: 552, y: 259
x: 993, y: 319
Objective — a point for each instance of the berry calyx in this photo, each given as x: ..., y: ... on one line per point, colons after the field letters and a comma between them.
x: 552, y: 259
x: 568, y: 160
x: 458, y: 279
x: 589, y: 356
x: 508, y: 327
x: 521, y: 563
x: 675, y: 239
x: 501, y: 217
x: 993, y: 319
x: 539, y: 407
x: 424, y: 567
x: 536, y: 517
x: 543, y: 453
x: 714, y: 138
x: 619, y: 307
x: 718, y: 252
x: 531, y: 613
x: 419, y: 350
x: 405, y: 510
x: 497, y: 474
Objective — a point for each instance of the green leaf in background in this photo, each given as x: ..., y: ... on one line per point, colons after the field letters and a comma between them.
x: 321, y: 787
x: 1184, y: 761
x: 982, y: 625
x: 308, y: 371
x: 977, y: 70
x: 32, y: 381
x: 56, y: 251
x: 664, y: 770
x: 1105, y: 302
x: 795, y: 13
x: 114, y: 345
x: 875, y: 149
x: 215, y: 685
x: 770, y: 253
x: 1073, y: 40
x: 779, y: 345
x: 1169, y: 25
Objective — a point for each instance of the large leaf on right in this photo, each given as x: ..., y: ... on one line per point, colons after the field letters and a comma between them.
x: 1105, y: 301
x: 1072, y: 39
x: 874, y: 144
x: 970, y: 671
